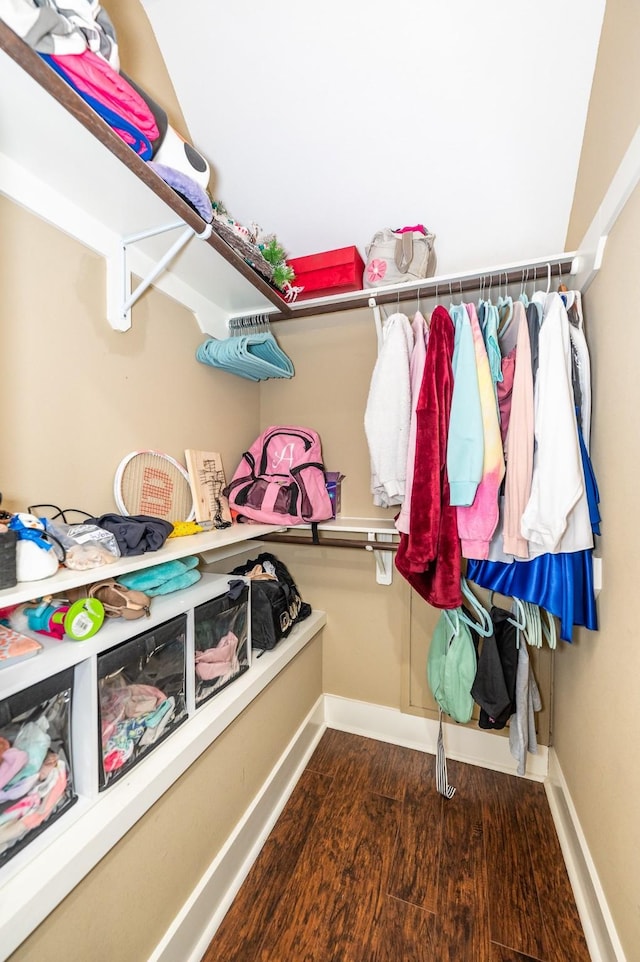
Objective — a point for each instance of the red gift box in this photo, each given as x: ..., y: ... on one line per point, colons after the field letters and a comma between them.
x: 332, y: 272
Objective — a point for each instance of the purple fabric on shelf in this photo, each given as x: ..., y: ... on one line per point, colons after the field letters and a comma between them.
x: 184, y: 185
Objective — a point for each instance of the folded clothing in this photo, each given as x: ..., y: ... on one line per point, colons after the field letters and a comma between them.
x: 94, y: 76
x: 219, y: 661
x: 164, y: 578
x: 135, y: 534
x: 186, y: 186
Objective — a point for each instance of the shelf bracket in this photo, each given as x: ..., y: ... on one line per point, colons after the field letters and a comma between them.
x: 120, y: 296
x: 384, y: 559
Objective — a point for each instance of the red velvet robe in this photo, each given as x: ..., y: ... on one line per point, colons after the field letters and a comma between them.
x: 429, y: 557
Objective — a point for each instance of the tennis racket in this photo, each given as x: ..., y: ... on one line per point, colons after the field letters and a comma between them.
x: 154, y: 484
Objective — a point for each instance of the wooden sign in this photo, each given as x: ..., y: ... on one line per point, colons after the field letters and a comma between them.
x: 206, y: 477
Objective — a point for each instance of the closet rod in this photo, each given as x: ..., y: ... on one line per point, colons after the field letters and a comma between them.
x: 527, y: 271
x: 333, y: 542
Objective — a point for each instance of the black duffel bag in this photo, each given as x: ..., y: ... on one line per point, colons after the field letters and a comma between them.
x: 276, y: 605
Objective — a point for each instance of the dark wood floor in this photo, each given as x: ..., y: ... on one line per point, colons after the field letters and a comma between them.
x: 367, y: 863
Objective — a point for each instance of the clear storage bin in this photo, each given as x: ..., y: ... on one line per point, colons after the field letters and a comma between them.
x: 221, y: 640
x: 36, y: 777
x: 141, y: 688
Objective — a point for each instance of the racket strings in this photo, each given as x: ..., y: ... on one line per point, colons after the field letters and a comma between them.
x: 153, y: 484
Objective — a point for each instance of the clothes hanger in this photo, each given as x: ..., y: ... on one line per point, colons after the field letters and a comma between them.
x: 505, y: 309
x: 550, y: 631
x: 485, y: 626
x: 255, y: 356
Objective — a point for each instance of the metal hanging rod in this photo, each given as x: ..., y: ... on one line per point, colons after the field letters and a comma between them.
x: 333, y: 542
x: 537, y: 269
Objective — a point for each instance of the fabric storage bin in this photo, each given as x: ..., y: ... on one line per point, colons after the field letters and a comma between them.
x: 36, y: 776
x: 221, y: 640
x: 141, y: 695
x: 332, y: 272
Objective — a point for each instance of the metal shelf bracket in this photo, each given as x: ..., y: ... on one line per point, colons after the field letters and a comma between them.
x: 120, y: 296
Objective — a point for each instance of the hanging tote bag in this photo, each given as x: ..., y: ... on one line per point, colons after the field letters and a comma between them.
x: 399, y: 256
x: 451, y: 670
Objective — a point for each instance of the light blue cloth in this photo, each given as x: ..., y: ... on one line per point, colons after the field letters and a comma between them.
x: 465, y: 444
x: 489, y: 326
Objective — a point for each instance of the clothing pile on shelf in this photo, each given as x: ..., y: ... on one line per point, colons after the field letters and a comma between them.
x: 132, y: 716
x: 478, y: 424
x: 141, y: 687
x: 35, y: 778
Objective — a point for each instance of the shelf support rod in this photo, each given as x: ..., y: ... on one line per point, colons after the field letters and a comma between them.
x: 383, y: 557
x: 122, y: 296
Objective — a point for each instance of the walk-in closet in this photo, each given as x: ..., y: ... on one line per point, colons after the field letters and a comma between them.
x: 322, y: 806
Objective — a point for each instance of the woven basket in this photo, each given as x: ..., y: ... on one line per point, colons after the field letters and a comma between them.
x: 7, y: 559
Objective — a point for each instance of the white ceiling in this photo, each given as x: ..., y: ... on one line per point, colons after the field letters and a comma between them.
x: 324, y: 122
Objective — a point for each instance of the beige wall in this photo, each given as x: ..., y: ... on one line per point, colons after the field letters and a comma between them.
x: 596, y: 695
x: 76, y: 396
x: 120, y: 911
x: 366, y: 637
x: 141, y: 59
x: 614, y: 113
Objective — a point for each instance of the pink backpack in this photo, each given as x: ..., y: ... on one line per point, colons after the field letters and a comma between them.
x: 280, y: 479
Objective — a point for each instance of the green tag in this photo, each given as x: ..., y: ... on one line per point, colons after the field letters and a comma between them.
x: 84, y: 618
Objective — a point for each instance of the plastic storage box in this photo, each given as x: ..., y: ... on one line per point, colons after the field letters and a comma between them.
x: 332, y: 272
x: 36, y: 777
x: 141, y: 694
x: 222, y: 651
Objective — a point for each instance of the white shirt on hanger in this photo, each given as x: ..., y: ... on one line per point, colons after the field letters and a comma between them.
x: 556, y: 517
x: 388, y: 412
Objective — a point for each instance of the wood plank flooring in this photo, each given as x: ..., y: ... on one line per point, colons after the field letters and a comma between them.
x: 367, y: 863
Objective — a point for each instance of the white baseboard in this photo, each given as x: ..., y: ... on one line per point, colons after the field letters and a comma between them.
x: 471, y: 745
x: 192, y: 930
x: 597, y: 922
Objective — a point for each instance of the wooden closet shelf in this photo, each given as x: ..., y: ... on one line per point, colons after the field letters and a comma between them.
x: 50, y: 133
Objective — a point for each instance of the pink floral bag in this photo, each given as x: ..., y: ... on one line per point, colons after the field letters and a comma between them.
x: 399, y: 256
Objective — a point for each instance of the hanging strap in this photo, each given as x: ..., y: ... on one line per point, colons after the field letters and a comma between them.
x: 404, y: 252
x: 377, y: 317
x: 442, y: 782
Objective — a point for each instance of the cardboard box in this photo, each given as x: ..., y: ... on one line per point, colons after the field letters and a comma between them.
x: 333, y: 481
x: 332, y: 272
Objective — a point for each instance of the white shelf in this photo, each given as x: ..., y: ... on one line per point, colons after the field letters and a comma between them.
x: 58, y: 655
x: 381, y: 535
x: 173, y: 548
x: 39, y: 877
x: 357, y: 525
